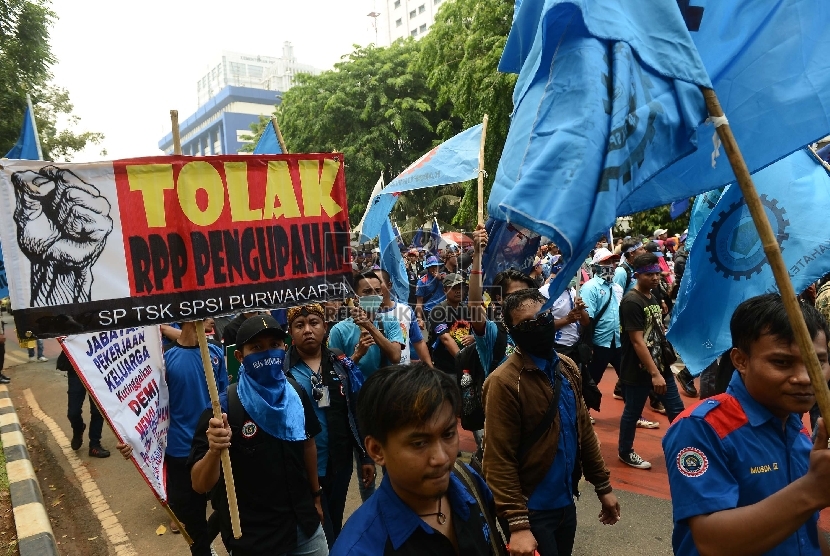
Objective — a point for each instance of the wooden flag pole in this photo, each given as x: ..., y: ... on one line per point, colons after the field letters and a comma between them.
x: 279, y: 134
x: 773, y: 253
x: 211, y: 380
x: 481, y: 171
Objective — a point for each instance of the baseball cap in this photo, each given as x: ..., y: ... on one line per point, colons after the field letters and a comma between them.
x: 604, y: 255
x: 432, y: 260
x: 453, y: 279
x: 255, y: 325
x: 659, y: 232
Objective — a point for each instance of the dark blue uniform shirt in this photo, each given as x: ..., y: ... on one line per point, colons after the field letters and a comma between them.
x: 729, y: 451
x: 385, y: 525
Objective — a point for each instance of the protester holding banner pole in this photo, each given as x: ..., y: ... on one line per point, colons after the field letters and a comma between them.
x: 267, y: 427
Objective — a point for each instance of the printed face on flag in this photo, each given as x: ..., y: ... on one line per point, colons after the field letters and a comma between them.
x: 165, y: 239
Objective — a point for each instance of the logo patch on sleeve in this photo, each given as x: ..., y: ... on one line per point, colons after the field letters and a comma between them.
x: 691, y: 462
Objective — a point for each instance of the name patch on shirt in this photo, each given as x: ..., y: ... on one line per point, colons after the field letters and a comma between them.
x: 692, y: 462
x: 763, y: 468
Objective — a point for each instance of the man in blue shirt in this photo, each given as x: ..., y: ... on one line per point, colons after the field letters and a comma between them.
x: 743, y: 474
x: 370, y: 339
x: 427, y: 503
x: 430, y: 289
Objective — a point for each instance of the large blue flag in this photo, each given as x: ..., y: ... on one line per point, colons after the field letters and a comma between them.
x: 27, y: 146
x: 769, y: 66
x: 4, y: 281
x: 453, y: 161
x: 606, y: 98
x: 727, y: 264
x: 392, y: 262
x: 268, y: 142
x: 704, y: 203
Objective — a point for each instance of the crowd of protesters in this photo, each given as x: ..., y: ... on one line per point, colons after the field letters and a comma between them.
x: 374, y: 386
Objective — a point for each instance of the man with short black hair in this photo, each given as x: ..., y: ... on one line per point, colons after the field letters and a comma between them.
x: 428, y: 503
x: 273, y: 454
x: 744, y: 476
x: 644, y: 357
x: 538, y: 437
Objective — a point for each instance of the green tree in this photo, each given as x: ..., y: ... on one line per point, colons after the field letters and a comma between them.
x: 460, y: 57
x: 25, y: 58
x: 375, y: 106
x: 645, y: 222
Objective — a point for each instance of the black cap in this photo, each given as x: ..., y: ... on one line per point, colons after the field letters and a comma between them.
x: 256, y: 324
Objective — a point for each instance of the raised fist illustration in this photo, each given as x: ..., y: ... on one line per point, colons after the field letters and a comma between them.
x: 62, y: 227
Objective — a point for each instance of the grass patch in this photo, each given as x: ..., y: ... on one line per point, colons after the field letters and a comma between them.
x: 4, y: 478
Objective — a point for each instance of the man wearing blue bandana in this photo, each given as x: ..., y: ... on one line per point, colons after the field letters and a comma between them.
x: 274, y: 458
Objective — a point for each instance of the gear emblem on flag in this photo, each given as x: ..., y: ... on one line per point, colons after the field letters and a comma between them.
x: 733, y: 243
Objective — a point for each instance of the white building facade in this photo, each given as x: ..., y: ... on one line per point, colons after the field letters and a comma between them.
x: 406, y: 18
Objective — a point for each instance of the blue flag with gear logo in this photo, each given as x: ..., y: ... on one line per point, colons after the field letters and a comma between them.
x: 606, y: 98
x: 702, y: 208
x: 727, y: 264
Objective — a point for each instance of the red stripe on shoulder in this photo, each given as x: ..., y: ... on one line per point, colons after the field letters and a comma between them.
x: 727, y: 417
x: 806, y: 433
x: 688, y: 411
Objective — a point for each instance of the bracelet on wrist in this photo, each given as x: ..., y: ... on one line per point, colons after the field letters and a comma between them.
x: 317, y: 493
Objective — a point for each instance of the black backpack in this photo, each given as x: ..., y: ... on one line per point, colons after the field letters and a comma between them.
x: 472, y: 412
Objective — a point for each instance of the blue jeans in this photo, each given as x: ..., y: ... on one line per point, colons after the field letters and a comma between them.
x: 554, y: 530
x: 315, y: 545
x: 635, y: 401
x: 39, y: 349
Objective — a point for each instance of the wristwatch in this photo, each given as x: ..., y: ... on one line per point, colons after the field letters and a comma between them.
x: 317, y: 493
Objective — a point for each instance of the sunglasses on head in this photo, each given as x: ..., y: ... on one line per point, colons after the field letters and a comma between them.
x: 541, y: 320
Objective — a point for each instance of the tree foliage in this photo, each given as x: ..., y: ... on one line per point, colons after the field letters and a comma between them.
x: 375, y: 106
x: 645, y: 222
x: 460, y: 57
x: 25, y: 59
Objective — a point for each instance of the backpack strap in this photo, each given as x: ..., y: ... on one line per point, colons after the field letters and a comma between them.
x: 236, y: 413
x: 493, y: 524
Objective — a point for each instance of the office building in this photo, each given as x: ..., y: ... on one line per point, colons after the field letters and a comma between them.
x: 406, y: 18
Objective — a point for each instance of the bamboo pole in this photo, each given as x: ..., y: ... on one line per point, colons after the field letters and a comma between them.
x: 773, y: 253
x: 210, y: 378
x: 279, y: 134
x: 481, y: 171
x: 178, y: 523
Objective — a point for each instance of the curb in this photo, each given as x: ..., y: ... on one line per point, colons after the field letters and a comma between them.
x: 34, y: 532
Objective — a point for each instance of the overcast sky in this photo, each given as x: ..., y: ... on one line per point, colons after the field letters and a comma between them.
x: 126, y: 65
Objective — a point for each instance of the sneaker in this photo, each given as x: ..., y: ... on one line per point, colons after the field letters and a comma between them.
x: 32, y: 359
x: 634, y: 460
x: 98, y: 451
x: 4, y: 379
x: 646, y: 424
x: 658, y: 407
x: 42, y: 358
x: 618, y: 391
x: 77, y: 438
x: 687, y: 382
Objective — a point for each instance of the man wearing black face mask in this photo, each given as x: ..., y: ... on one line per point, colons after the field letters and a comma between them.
x: 533, y: 465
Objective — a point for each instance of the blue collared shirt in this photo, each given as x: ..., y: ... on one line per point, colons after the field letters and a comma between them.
x: 728, y: 452
x: 595, y: 293
x: 556, y: 489
x: 385, y: 523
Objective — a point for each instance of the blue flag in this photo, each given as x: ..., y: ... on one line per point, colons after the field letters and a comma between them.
x: 508, y: 246
x: 453, y: 161
x: 418, y: 239
x: 268, y: 142
x: 434, y: 238
x: 727, y: 264
x: 606, y: 98
x: 769, y: 66
x: 4, y: 281
x: 392, y: 262
x: 27, y: 146
x: 704, y: 204
x: 678, y: 207
x: 398, y: 238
